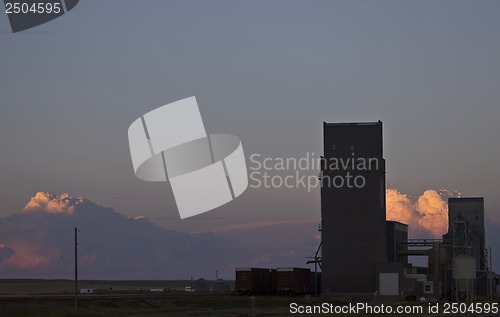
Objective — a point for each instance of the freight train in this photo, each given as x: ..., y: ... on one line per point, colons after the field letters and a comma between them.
x: 280, y: 281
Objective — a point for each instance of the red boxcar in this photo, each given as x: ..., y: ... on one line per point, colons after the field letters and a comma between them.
x: 254, y: 281
x: 293, y: 280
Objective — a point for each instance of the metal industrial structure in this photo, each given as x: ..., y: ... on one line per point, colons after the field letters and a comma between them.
x: 465, y: 243
x: 316, y: 260
x: 466, y: 228
x: 363, y: 255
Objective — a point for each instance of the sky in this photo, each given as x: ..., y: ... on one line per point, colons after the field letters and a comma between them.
x: 268, y: 72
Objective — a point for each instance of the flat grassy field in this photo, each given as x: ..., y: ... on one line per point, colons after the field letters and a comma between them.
x: 55, y: 298
x: 182, y: 305
x: 39, y: 286
x: 154, y: 305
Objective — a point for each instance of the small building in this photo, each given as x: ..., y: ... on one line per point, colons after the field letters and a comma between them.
x: 397, y: 239
x: 201, y: 285
x: 220, y: 286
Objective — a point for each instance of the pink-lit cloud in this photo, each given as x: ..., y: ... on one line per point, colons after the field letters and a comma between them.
x: 29, y: 256
x: 262, y: 259
x: 140, y: 217
x: 50, y: 203
x: 426, y: 215
x: 278, y: 256
x: 400, y: 207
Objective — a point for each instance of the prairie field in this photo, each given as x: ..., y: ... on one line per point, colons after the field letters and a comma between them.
x: 54, y: 298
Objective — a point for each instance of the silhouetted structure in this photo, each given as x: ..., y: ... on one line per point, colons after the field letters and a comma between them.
x: 397, y: 240
x: 353, y: 217
x: 466, y: 228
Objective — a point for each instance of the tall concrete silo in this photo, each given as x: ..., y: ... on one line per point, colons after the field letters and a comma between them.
x: 353, y: 215
x: 463, y: 270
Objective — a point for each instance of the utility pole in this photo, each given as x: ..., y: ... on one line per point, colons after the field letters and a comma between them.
x: 491, y: 278
x: 76, y: 268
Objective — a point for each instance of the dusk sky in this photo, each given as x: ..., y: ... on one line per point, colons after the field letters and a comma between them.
x: 267, y: 72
